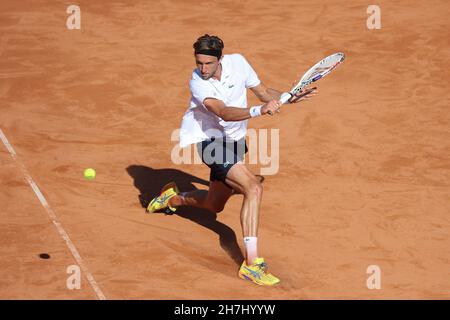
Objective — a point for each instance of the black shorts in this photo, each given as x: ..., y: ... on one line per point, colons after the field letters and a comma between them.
x: 220, y: 155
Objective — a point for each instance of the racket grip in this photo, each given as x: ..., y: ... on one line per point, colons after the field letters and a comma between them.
x: 285, y: 96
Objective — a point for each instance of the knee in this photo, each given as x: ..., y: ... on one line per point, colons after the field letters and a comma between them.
x: 254, y: 189
x: 216, y: 207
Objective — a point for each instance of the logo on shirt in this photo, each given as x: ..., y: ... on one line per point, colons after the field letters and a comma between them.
x: 230, y: 86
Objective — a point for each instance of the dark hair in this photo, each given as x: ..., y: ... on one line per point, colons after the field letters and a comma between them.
x: 209, y: 43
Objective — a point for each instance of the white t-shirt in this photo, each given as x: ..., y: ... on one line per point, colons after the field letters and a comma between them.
x: 200, y: 124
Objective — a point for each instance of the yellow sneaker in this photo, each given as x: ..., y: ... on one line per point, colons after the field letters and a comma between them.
x: 161, y: 202
x: 257, y: 273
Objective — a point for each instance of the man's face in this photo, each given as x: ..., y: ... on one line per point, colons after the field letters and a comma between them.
x: 207, y: 65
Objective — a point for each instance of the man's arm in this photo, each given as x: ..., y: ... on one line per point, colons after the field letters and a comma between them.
x: 219, y: 108
x: 265, y: 94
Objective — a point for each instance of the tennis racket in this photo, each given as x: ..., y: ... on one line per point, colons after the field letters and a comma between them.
x: 318, y: 71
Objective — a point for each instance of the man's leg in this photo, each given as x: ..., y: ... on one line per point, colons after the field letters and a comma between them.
x: 213, y: 199
x: 242, y: 180
x: 254, y: 268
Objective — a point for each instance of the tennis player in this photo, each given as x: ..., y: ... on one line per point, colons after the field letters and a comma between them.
x: 216, y: 121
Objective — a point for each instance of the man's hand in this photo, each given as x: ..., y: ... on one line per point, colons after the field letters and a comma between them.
x: 271, y: 107
x: 305, y: 94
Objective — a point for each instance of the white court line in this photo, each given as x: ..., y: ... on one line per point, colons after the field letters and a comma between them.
x: 54, y: 219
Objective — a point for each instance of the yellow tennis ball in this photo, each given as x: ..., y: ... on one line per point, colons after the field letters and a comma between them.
x: 89, y: 174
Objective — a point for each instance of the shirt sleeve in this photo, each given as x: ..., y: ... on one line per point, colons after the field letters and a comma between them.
x: 252, y: 79
x: 200, y: 91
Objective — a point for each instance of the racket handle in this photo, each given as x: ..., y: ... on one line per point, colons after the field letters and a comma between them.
x: 285, y: 96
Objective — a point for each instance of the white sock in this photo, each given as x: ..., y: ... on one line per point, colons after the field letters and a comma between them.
x: 251, y: 249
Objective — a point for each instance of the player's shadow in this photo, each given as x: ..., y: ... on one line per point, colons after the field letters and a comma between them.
x: 150, y: 181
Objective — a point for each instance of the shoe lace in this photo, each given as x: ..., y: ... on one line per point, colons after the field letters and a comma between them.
x: 262, y: 266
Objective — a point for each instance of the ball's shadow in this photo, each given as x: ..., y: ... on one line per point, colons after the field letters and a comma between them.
x: 150, y: 181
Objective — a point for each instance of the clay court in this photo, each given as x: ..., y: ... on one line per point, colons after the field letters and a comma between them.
x: 364, y: 167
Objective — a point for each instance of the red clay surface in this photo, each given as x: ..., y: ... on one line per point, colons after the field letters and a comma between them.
x: 364, y: 173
